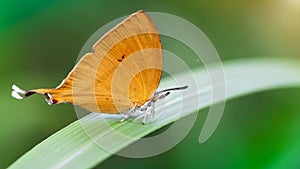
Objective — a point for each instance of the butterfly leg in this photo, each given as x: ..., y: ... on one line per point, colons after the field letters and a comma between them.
x: 124, y: 118
x: 145, y: 117
x: 152, y: 114
x: 145, y: 114
x: 126, y: 115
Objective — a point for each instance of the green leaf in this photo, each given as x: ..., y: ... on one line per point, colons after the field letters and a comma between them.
x: 71, y: 147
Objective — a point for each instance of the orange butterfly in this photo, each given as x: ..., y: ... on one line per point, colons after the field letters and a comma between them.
x: 120, y: 75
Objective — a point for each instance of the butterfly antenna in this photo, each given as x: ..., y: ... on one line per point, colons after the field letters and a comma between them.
x: 175, y: 88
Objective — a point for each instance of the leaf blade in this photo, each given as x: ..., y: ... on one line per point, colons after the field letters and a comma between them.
x: 71, y: 147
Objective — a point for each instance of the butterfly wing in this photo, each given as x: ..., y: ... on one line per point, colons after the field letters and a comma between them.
x: 130, y: 70
x: 123, y: 71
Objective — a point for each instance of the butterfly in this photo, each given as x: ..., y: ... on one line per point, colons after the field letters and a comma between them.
x: 120, y: 76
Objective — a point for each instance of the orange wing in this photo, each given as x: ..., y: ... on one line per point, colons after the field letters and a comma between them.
x: 123, y: 71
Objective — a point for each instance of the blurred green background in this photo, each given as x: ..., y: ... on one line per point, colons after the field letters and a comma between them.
x: 40, y: 41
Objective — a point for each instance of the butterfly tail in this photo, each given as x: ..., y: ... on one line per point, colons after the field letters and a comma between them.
x: 19, y: 93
